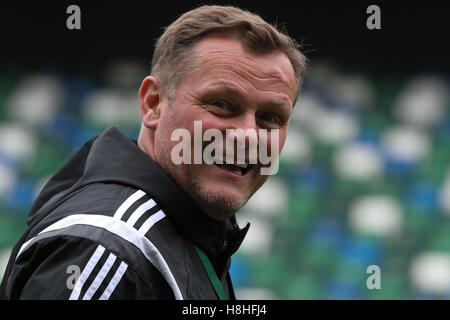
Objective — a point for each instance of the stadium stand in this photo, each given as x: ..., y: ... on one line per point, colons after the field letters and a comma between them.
x: 364, y: 177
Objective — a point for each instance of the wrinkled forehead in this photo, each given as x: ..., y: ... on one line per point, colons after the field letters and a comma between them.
x: 217, y: 53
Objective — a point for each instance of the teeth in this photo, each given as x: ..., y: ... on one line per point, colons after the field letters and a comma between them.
x: 218, y: 159
x: 238, y: 172
x: 244, y: 166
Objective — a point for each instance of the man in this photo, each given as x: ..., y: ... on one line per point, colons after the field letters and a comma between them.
x: 122, y: 220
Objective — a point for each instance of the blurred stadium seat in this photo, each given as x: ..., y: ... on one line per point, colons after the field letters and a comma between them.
x: 364, y: 178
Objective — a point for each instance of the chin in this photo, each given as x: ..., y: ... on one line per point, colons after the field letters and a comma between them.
x: 219, y: 202
x: 218, y: 199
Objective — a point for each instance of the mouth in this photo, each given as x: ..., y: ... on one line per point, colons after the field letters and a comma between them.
x: 237, y: 168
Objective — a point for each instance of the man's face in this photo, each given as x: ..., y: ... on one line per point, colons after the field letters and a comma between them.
x: 230, y: 89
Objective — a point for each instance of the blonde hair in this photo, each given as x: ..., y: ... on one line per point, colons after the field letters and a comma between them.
x: 174, y: 56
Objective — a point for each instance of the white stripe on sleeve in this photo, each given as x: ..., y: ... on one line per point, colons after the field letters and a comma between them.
x: 128, y: 203
x: 140, y: 211
x: 154, y: 218
x: 86, y: 272
x: 114, y: 281
x: 100, y: 277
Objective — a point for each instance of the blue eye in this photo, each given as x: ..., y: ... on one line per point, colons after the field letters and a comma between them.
x: 219, y: 104
x: 269, y: 117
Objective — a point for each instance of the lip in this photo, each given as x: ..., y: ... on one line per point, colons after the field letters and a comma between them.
x: 232, y: 175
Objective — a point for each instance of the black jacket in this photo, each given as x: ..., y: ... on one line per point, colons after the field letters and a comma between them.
x: 112, y: 225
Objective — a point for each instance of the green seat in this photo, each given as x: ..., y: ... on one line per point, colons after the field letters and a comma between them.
x: 49, y: 157
x: 11, y: 229
x: 303, y: 286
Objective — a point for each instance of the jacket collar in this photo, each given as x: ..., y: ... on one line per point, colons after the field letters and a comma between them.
x: 115, y: 158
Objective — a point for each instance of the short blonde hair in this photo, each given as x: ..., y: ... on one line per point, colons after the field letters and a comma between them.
x: 174, y: 56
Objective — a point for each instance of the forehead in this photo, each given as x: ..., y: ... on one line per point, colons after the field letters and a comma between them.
x: 224, y: 58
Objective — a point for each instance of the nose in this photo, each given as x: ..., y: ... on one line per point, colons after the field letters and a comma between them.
x: 242, y: 134
x: 244, y: 123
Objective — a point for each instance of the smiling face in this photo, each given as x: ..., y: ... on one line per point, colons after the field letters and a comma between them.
x: 230, y: 89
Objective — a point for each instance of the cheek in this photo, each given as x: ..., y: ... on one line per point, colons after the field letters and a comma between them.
x: 282, y: 139
x: 274, y: 141
x: 170, y: 121
x: 163, y: 139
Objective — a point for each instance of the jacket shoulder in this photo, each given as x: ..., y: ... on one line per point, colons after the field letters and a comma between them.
x: 99, y: 198
x: 111, y: 217
x: 73, y: 268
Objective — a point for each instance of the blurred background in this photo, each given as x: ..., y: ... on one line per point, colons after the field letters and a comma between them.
x: 364, y: 176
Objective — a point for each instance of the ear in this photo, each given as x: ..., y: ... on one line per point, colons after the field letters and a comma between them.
x: 150, y: 100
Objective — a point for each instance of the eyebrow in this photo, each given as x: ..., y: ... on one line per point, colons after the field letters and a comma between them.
x: 229, y: 89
